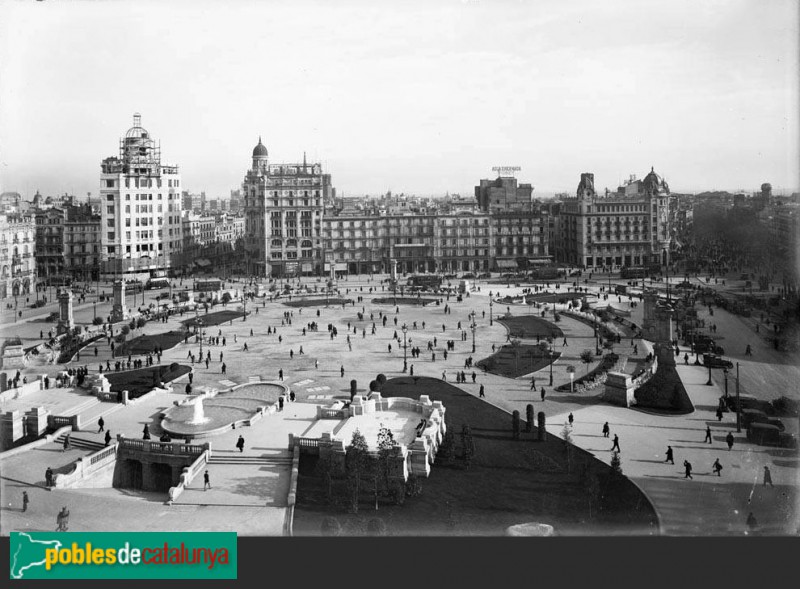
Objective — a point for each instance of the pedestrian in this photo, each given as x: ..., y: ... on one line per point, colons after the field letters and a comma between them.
x: 571, y: 419
x: 481, y: 393
x: 474, y: 376
x: 146, y: 432
x: 444, y: 375
x: 240, y: 443
x: 48, y: 477
x: 206, y: 362
x: 729, y: 439
x: 101, y: 425
x: 606, y: 429
x: 223, y: 368
x: 708, y: 435
x: 616, y: 444
x: 24, y: 501
x: 669, y: 458
x: 280, y: 403
x: 341, y: 370
x: 220, y: 356
x: 206, y: 481
x: 543, y: 393
x: 533, y: 383
x: 411, y: 370
x: 717, y: 467
x: 291, y: 396
x: 687, y: 466
x: 719, y: 413
x: 767, y: 477
x: 316, y: 363
x: 66, y: 443
x: 108, y: 437
x: 686, y: 359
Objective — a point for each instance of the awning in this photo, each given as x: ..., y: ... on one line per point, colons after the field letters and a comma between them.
x: 506, y: 263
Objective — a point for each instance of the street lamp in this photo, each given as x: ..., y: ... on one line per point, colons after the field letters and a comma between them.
x: 738, y: 405
x: 550, y: 349
x: 725, y: 372
x: 571, y: 372
x: 709, y: 383
x: 491, y: 319
x: 405, y: 356
x: 472, y: 327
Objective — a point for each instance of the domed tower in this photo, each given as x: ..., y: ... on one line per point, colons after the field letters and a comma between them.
x: 586, y: 187
x: 260, y: 156
x: 654, y: 185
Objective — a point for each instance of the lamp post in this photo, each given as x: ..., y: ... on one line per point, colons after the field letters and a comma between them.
x: 738, y: 406
x: 725, y: 372
x: 472, y: 327
x: 491, y: 319
x: 405, y: 356
x: 571, y: 372
x: 709, y: 383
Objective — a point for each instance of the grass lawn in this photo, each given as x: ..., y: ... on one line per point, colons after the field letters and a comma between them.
x: 143, y: 380
x: 317, y: 302
x: 529, y: 326
x: 508, y: 482
x: 144, y: 344
x: 215, y: 318
x: 505, y: 362
x: 404, y: 301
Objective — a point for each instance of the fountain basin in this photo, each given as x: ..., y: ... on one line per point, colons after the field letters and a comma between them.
x: 241, y: 405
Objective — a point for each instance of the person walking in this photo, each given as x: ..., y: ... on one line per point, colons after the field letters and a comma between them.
x: 280, y: 403
x: 533, y: 383
x: 543, y: 393
x: 687, y: 466
x: 341, y: 371
x: 48, y: 477
x: 767, y: 477
x: 708, y: 435
x: 206, y: 481
x: 606, y: 429
x: 25, y: 501
x: 670, y: 457
x: 224, y: 368
x: 719, y: 413
x: 717, y: 467
x: 240, y: 443
x: 108, y: 437
x: 66, y: 443
x: 280, y: 374
x: 444, y: 375
x: 570, y: 419
x: 101, y: 424
x: 616, y: 444
x: 729, y: 440
x: 481, y: 394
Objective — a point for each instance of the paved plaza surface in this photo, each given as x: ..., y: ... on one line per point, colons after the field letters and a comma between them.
x: 249, y: 489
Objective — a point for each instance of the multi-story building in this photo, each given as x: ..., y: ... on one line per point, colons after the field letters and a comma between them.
x: 283, y: 209
x: 629, y: 228
x: 521, y: 238
x: 503, y: 194
x: 82, y: 242
x: 17, y: 263
x: 50, y: 244
x: 141, y: 207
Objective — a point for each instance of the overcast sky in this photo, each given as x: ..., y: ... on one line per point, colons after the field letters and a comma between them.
x: 413, y: 96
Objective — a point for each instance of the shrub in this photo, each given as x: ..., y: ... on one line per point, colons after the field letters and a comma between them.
x: 413, y: 487
x: 447, y: 449
x: 374, y: 386
x: 381, y: 378
x: 515, y: 424
x: 353, y: 388
x: 120, y: 338
x: 529, y: 418
x: 97, y: 321
x: 141, y: 322
x: 331, y: 527
x: 616, y: 463
x: 125, y: 330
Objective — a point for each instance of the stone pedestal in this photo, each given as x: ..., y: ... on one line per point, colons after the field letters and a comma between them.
x: 66, y: 320
x: 36, y: 421
x: 3, y: 381
x: 657, y: 325
x: 13, y: 357
x: 119, y: 309
x: 619, y: 389
x: 420, y: 465
x: 10, y: 429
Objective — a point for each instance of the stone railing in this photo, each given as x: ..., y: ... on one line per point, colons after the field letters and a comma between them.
x: 161, y: 447
x: 59, y: 421
x: 36, y: 444
x: 325, y: 413
x: 292, y: 497
x: 187, y: 476
x: 87, y: 466
x: 31, y: 387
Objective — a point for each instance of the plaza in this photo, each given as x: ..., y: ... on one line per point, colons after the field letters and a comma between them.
x: 250, y: 488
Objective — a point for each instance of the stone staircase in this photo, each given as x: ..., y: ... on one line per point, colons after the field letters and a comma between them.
x: 282, y: 459
x: 76, y: 442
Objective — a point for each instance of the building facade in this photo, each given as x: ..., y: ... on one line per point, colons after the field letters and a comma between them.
x: 17, y: 263
x: 503, y: 194
x: 140, y: 207
x: 283, y: 214
x: 628, y: 228
x: 82, y: 242
x: 50, y: 245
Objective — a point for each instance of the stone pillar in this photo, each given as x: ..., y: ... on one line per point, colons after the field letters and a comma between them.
x: 619, y: 389
x: 119, y: 310
x: 10, y: 429
x: 3, y: 381
x: 393, y: 271
x: 66, y: 320
x: 540, y: 433
x: 36, y: 421
x: 125, y: 398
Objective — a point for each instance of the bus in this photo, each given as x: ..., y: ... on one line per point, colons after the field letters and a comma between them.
x: 633, y: 272
x: 425, y: 281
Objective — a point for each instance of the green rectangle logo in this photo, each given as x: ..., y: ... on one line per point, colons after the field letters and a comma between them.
x: 123, y: 555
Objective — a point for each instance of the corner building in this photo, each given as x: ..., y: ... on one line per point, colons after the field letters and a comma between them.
x: 626, y: 228
x: 140, y: 206
x: 283, y: 211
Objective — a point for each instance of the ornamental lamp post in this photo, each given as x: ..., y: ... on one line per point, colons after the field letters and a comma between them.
x: 725, y: 372
x: 405, y: 348
x: 472, y: 327
x: 738, y: 402
x: 571, y: 372
x: 491, y: 304
x: 550, y: 341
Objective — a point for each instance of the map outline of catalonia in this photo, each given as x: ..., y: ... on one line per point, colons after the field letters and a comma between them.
x: 18, y: 573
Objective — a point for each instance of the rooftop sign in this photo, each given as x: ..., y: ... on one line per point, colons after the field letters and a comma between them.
x: 506, y: 169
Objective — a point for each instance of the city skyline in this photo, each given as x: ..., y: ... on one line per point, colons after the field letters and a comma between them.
x: 423, y: 98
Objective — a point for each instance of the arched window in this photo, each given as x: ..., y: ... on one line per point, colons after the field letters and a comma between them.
x: 277, y: 243
x: 291, y: 243
x: 306, y: 243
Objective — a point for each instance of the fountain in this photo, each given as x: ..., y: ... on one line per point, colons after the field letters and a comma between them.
x: 198, y: 415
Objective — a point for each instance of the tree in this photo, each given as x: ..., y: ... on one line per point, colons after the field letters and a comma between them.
x: 515, y: 424
x: 447, y: 449
x: 331, y: 527
x: 356, y: 466
x: 226, y: 298
x: 529, y: 418
x: 386, y: 452
x: 587, y: 356
x: 616, y: 463
x: 141, y: 322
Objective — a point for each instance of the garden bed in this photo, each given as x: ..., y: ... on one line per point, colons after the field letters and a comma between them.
x: 143, y: 380
x: 530, y: 326
x: 215, y: 318
x: 318, y: 302
x: 145, y: 344
x: 507, y: 482
x: 403, y: 301
x: 506, y: 363
x: 607, y: 363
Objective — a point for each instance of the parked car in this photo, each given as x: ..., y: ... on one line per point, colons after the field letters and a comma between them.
x: 714, y: 361
x: 468, y: 275
x: 484, y: 275
x: 52, y: 316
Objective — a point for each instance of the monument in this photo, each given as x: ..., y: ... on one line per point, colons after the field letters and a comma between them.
x: 119, y: 310
x: 66, y: 320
